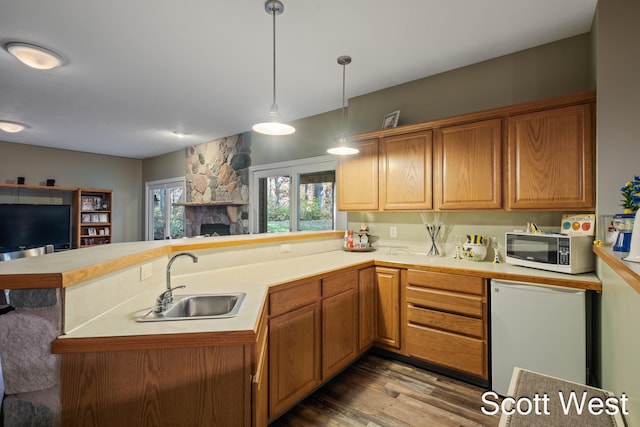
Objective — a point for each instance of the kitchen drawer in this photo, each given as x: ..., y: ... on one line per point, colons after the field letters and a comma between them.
x: 338, y: 283
x: 447, y: 282
x: 293, y: 295
x: 470, y: 305
x: 464, y: 354
x: 446, y: 321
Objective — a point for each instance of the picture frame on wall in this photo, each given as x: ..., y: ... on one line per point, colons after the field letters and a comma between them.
x: 391, y: 120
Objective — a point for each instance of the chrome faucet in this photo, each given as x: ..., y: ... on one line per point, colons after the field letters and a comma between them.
x: 166, y: 298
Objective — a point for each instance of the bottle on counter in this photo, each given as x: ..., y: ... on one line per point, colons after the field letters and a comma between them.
x: 345, y: 244
x: 350, y: 240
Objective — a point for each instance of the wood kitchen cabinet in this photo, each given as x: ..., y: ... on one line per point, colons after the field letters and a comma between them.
x: 339, y: 321
x: 357, y: 178
x: 536, y: 155
x: 468, y: 166
x: 294, y: 343
x: 388, y: 308
x: 366, y: 308
x: 259, y: 370
x: 447, y: 321
x: 391, y: 173
x: 406, y: 171
x: 551, y: 159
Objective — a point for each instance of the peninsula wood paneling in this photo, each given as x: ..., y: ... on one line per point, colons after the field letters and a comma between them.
x: 177, y: 387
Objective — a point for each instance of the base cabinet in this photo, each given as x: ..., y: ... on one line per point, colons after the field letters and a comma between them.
x: 294, y: 344
x: 260, y: 380
x: 447, y: 321
x: 388, y: 308
x: 366, y: 308
x: 339, y: 322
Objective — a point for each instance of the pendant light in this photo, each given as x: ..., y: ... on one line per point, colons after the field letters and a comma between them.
x: 274, y: 126
x: 343, y: 147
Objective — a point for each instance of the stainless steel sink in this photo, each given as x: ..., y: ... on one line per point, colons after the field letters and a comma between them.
x: 200, y: 306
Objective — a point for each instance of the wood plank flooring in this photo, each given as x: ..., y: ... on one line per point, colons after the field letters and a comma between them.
x: 380, y: 392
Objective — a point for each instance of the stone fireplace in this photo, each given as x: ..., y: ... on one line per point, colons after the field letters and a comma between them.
x: 217, y: 176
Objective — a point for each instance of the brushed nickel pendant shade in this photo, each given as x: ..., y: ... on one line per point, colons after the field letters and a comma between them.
x: 274, y: 126
x: 343, y: 148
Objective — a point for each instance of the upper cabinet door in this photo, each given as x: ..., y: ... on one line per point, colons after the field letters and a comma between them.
x: 357, y: 178
x: 551, y: 159
x: 406, y: 172
x: 468, y: 166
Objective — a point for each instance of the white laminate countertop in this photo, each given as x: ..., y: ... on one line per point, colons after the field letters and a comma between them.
x: 255, y: 279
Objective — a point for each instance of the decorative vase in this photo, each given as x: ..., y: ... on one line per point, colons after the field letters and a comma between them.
x: 475, y: 247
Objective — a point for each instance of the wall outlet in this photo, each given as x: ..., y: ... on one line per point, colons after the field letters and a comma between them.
x: 146, y: 271
x: 285, y: 248
x: 393, y: 232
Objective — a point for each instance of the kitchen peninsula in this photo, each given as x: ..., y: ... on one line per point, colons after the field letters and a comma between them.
x: 216, y: 372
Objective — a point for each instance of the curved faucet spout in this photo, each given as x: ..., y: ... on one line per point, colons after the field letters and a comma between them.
x: 172, y: 259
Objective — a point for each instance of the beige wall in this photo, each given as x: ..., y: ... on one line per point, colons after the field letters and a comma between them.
x: 76, y: 169
x: 618, y: 154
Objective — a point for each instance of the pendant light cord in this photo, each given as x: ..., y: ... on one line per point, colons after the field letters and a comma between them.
x: 344, y: 132
x: 274, y: 55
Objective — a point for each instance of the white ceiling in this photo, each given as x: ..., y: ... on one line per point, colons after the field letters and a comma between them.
x: 138, y: 70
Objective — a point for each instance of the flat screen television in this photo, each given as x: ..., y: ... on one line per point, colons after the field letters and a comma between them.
x: 26, y: 226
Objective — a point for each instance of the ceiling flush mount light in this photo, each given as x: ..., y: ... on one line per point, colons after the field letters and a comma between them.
x: 343, y: 147
x: 11, y: 127
x: 274, y: 126
x: 34, y: 56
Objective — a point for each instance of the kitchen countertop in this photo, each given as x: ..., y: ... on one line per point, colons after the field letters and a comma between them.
x: 118, y: 330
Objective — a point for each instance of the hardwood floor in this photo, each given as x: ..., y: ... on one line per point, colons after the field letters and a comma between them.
x: 388, y: 393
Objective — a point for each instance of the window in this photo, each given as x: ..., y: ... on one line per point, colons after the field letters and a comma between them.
x: 295, y: 196
x: 165, y: 220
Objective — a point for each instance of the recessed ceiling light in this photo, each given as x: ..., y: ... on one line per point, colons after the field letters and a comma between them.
x: 11, y: 127
x: 34, y: 56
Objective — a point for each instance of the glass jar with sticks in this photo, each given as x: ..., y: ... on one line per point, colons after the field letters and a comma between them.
x: 435, y: 231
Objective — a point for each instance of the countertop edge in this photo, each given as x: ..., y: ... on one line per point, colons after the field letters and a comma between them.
x: 152, y: 342
x: 619, y: 267
x: 77, y: 274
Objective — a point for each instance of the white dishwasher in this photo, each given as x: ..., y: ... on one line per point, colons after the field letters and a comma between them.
x: 540, y: 328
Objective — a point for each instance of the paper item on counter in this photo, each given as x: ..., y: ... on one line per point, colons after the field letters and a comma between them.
x: 578, y: 224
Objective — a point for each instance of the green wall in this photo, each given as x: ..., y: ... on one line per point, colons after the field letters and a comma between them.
x: 618, y: 154
x: 554, y: 69
x: 77, y: 169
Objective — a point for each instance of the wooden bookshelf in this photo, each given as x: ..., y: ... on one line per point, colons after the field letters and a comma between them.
x: 93, y: 217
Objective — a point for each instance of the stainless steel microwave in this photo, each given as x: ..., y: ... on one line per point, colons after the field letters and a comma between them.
x: 550, y: 251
